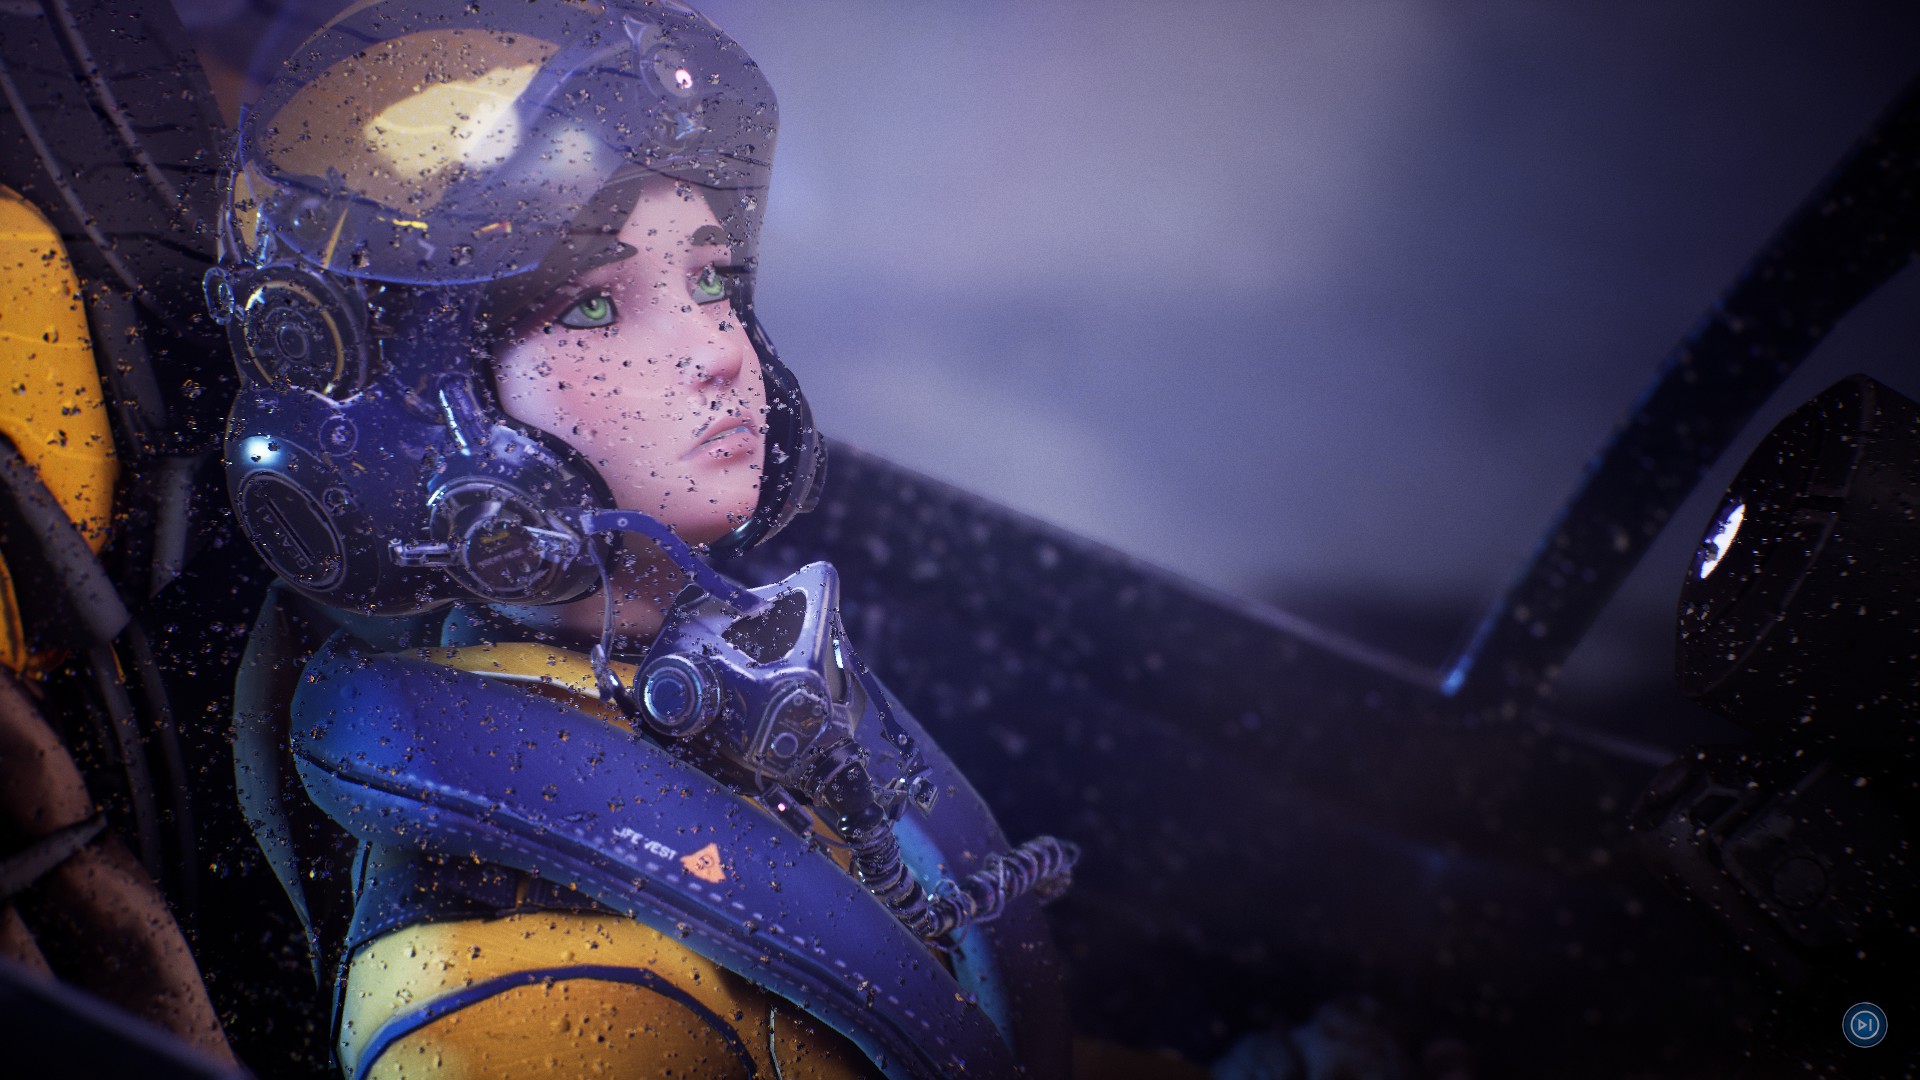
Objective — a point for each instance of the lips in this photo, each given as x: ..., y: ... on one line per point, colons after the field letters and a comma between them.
x: 728, y: 437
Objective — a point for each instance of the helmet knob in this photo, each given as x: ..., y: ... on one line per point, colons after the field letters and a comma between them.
x: 500, y: 547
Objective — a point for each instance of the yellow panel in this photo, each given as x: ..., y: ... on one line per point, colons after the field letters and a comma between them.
x: 568, y: 1027
x: 13, y: 638
x: 529, y: 662
x: 571, y: 1026
x: 51, y: 407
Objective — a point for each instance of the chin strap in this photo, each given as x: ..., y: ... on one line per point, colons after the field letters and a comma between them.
x: 709, y: 580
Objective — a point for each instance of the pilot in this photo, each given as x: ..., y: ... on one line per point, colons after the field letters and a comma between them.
x: 488, y: 276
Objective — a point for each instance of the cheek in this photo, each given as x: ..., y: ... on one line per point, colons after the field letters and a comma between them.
x: 523, y: 378
x: 583, y: 390
x: 752, y: 388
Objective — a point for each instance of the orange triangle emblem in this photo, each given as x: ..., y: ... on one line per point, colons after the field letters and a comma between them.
x: 705, y: 864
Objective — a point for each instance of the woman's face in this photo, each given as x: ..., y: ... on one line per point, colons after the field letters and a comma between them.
x: 642, y: 367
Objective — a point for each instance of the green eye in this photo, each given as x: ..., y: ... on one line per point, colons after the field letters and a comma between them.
x: 589, y: 313
x: 709, y: 286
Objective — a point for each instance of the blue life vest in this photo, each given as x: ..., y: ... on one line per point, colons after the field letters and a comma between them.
x: 459, y: 787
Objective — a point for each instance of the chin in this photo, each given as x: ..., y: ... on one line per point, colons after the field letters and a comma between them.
x: 713, y: 531
x: 706, y: 528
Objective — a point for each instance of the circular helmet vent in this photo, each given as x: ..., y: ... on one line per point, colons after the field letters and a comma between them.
x: 300, y: 335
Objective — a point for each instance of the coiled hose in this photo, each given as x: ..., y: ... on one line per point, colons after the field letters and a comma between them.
x: 1042, y: 866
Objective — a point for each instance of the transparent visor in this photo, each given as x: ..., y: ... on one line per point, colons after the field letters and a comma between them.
x: 444, y: 148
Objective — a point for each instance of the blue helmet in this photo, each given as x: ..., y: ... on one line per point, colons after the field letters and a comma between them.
x: 417, y: 169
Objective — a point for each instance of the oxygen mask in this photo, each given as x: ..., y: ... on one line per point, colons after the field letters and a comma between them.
x: 763, y: 689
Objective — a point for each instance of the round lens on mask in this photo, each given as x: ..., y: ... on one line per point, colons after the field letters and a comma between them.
x: 794, y: 718
x: 681, y: 694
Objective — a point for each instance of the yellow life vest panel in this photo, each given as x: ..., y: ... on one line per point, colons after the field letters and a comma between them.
x: 52, y: 408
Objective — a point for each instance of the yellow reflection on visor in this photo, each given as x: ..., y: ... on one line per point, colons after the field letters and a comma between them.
x: 468, y: 123
x: 400, y: 122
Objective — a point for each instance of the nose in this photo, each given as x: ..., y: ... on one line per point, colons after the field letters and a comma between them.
x: 714, y: 359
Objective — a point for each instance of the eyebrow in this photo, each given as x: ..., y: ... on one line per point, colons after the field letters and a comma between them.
x: 518, y: 296
x: 708, y: 234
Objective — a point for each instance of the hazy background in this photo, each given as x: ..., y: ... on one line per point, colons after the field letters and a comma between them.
x: 1321, y: 301
x: 1324, y: 302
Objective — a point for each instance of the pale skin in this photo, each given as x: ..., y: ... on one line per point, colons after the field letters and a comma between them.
x: 642, y: 366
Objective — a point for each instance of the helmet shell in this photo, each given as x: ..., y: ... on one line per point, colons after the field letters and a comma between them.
x: 416, y: 169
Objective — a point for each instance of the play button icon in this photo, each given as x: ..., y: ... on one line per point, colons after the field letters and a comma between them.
x: 1864, y: 1025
